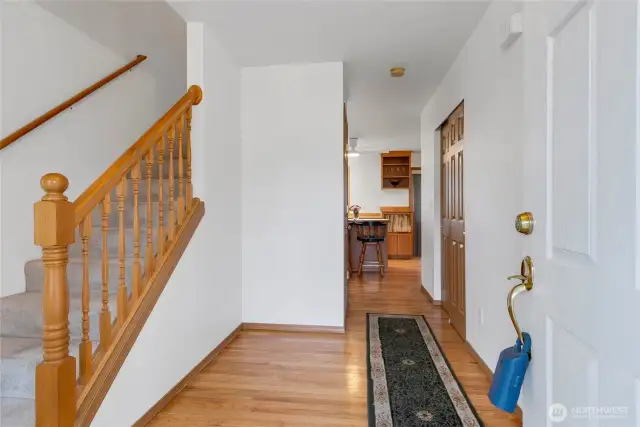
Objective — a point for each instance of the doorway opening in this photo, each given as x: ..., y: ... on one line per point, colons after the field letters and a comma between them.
x: 382, y: 187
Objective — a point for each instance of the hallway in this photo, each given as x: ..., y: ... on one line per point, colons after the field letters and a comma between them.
x: 269, y: 379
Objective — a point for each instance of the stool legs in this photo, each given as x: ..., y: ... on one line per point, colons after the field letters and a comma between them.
x: 379, y: 252
x: 362, y: 255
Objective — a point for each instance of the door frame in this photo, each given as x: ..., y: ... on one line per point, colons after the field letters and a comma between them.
x: 346, y: 196
x: 432, y: 245
x: 437, y: 253
x: 438, y: 217
x: 431, y: 193
x: 417, y: 225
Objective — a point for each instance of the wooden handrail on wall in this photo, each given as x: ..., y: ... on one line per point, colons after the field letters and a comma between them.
x: 64, y: 399
x: 8, y: 140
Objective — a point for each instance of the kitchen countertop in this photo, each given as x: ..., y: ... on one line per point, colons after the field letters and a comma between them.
x: 381, y: 220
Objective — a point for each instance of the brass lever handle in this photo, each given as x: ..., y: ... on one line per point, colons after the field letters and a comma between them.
x: 517, y: 289
x: 526, y: 284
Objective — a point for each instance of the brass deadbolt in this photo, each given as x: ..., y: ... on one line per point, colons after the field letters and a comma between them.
x: 524, y: 223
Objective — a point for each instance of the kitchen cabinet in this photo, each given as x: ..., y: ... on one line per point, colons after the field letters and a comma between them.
x: 399, y: 231
x: 396, y: 170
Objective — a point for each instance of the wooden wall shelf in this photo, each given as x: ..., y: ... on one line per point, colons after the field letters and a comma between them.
x: 396, y: 170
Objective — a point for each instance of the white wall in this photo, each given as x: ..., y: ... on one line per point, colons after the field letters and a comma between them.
x: 206, y: 285
x: 365, y: 175
x: 490, y: 81
x: 406, y: 138
x: 128, y: 28
x: 416, y: 159
x: 292, y: 194
x: 45, y: 61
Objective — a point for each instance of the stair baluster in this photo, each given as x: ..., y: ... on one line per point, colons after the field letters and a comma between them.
x: 86, y: 350
x: 181, y: 205
x: 105, y: 313
x: 137, y: 269
x: 161, y: 236
x: 188, y: 138
x: 172, y: 206
x: 149, y: 251
x: 56, y: 376
x: 122, y: 284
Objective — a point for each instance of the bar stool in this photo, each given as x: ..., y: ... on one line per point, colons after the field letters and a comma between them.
x: 371, y: 233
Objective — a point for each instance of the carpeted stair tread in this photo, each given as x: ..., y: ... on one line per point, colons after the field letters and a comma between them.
x: 18, y: 360
x: 34, y: 273
x: 114, y: 218
x: 175, y: 151
x: 21, y: 314
x: 155, y: 171
x: 143, y: 191
x: 142, y: 195
x: 113, y: 241
x: 96, y: 214
x: 155, y: 187
x: 34, y: 269
x: 17, y: 412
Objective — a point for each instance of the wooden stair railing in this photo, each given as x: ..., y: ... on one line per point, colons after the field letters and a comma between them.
x: 11, y: 138
x: 64, y: 399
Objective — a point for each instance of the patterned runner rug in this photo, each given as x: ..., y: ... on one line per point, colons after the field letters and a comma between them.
x: 410, y: 381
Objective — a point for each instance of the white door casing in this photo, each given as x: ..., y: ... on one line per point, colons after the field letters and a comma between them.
x: 580, y: 163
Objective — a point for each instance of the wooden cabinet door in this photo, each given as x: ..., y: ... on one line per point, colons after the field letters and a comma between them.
x: 453, y: 235
x: 392, y: 245
x: 405, y: 245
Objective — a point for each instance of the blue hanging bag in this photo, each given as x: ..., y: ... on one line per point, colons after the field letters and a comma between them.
x: 509, y: 375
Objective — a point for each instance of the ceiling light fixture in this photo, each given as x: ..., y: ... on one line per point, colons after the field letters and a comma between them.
x: 397, y: 72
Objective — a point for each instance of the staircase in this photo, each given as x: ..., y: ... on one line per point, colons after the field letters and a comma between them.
x: 106, y: 259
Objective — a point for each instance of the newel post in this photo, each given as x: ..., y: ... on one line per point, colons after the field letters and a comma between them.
x: 56, y: 375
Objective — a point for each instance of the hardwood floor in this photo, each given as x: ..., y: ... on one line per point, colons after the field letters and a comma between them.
x: 287, y: 379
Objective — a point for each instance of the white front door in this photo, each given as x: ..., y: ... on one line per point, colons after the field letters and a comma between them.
x: 581, y: 184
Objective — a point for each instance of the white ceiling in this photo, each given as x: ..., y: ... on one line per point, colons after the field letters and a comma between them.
x: 369, y: 36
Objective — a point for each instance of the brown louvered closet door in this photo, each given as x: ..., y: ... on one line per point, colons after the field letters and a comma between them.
x: 452, y: 208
